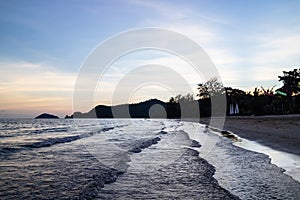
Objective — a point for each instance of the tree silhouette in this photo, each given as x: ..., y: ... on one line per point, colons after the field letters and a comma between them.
x: 256, y: 92
x: 172, y: 100
x: 291, y: 82
x: 182, y: 98
x: 210, y: 88
x: 269, y: 91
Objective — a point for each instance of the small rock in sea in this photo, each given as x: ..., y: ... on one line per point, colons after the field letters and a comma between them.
x: 163, y: 132
x: 228, y: 135
x: 195, y: 144
x: 145, y: 144
x: 136, y: 150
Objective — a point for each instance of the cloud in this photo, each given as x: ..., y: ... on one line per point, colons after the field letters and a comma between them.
x: 272, y: 52
x: 202, y: 28
x: 167, y: 10
x: 30, y: 86
x: 278, y: 49
x: 170, y: 11
x: 158, y: 71
x: 243, y: 60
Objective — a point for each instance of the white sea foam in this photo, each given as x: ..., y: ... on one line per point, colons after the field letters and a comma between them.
x: 287, y: 161
x: 244, y: 167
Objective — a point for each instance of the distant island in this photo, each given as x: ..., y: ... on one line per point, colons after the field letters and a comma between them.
x: 46, y: 116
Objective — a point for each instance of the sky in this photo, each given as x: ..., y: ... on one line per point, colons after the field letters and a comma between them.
x: 43, y: 45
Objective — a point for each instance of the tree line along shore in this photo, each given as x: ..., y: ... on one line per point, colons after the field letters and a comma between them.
x: 260, y: 101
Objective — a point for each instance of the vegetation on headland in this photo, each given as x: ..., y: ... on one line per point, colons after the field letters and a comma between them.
x: 260, y: 101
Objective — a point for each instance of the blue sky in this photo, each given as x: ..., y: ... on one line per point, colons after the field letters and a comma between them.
x: 43, y: 44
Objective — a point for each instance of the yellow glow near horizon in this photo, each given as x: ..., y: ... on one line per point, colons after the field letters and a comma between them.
x: 26, y: 87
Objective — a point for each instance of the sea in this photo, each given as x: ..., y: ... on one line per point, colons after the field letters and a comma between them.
x: 135, y: 159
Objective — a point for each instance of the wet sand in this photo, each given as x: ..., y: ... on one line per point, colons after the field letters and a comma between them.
x: 280, y: 132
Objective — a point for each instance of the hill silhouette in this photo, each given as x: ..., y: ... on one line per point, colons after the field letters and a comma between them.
x: 136, y: 110
x: 152, y: 108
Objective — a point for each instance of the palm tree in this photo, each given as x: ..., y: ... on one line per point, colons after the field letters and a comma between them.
x: 256, y: 92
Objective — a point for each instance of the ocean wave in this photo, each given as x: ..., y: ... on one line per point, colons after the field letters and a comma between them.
x: 5, y: 151
x: 49, y: 130
x: 105, y: 176
x: 52, y: 141
x: 15, y: 132
x: 188, y: 177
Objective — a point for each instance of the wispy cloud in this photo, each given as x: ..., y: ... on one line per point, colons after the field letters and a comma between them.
x: 243, y: 59
x: 272, y: 49
x: 159, y: 70
x: 273, y: 52
x: 30, y: 86
x: 249, y: 47
x: 201, y: 27
x: 176, y: 12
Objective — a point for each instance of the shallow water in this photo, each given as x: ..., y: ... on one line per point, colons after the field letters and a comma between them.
x: 247, y: 174
x: 117, y: 159
x: 289, y: 162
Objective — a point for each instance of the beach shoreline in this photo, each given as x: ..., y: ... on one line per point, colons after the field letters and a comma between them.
x: 279, y: 132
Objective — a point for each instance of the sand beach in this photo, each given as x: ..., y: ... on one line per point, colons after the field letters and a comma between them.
x: 280, y: 132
